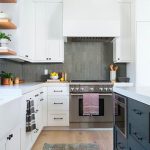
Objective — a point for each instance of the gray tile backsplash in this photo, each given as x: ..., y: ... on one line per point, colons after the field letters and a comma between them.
x: 83, y: 60
x: 11, y: 66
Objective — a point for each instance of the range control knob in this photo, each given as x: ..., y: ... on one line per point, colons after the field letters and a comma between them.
x: 92, y: 89
x: 77, y: 89
x: 106, y: 89
x: 110, y: 89
x: 101, y: 89
x: 72, y: 89
x: 82, y: 89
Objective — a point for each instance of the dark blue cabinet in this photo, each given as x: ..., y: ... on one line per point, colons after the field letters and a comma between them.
x: 134, y: 145
x: 121, y: 142
x: 139, y: 123
x: 138, y: 128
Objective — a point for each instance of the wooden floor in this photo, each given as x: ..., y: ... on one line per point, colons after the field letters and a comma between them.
x: 103, y: 138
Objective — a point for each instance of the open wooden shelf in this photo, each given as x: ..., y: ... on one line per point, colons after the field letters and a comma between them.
x: 7, y: 1
x: 7, y: 52
x: 7, y: 24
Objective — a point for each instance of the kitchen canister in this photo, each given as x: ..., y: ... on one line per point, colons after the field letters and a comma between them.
x: 113, y: 76
x: 45, y: 71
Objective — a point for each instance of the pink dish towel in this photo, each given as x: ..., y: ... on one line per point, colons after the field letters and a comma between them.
x: 90, y: 104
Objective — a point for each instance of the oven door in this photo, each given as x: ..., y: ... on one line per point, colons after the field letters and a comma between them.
x: 120, y: 113
x: 76, y: 110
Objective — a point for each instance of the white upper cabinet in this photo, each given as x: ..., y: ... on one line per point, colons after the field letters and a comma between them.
x: 122, y: 45
x: 143, y: 53
x: 26, y: 31
x: 95, y: 18
x: 40, y: 31
x: 142, y: 10
x: 49, y: 44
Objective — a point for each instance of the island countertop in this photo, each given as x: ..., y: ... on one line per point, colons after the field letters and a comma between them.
x: 141, y: 94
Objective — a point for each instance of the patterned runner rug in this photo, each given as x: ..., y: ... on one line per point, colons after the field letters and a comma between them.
x: 70, y: 147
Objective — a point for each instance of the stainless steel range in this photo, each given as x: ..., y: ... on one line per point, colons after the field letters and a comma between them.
x: 105, y: 117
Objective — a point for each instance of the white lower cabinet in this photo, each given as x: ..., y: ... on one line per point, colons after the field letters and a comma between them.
x: 40, y: 106
x: 3, y: 144
x: 58, y: 105
x: 51, y: 105
x: 12, y: 140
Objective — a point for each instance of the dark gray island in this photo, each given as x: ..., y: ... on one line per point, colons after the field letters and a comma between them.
x: 131, y: 118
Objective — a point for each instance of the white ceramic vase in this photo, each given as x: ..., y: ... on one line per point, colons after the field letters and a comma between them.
x: 4, y: 42
x: 112, y: 76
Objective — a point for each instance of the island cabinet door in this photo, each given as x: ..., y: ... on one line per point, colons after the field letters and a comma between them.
x: 139, y: 122
x: 134, y: 145
x: 120, y: 141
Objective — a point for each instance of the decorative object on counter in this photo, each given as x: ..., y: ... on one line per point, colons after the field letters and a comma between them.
x: 45, y: 71
x: 58, y: 77
x: 6, y: 78
x: 4, y: 39
x: 54, y: 76
x: 4, y: 15
x: 16, y: 80
x: 63, y: 76
x: 21, y: 81
x: 113, y: 70
x: 123, y: 79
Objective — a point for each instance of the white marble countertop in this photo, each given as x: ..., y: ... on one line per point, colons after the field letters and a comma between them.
x: 8, y: 93
x: 20, y: 88
x: 141, y: 94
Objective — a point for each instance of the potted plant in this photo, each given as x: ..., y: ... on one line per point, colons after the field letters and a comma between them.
x: 6, y: 78
x: 4, y: 39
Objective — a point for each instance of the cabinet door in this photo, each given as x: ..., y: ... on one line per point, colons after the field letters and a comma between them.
x: 142, y: 10
x: 122, y: 44
x: 143, y: 53
x: 3, y: 144
x: 134, y: 145
x: 14, y: 141
x: 49, y: 39
x: 139, y: 122
x: 26, y: 29
x: 120, y: 141
x: 44, y: 106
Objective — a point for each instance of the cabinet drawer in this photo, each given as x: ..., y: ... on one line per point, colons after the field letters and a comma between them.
x: 63, y: 90
x: 134, y: 145
x: 121, y: 143
x: 58, y: 119
x: 58, y: 103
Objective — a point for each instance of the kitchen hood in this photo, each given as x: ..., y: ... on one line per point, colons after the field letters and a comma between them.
x: 91, y: 18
